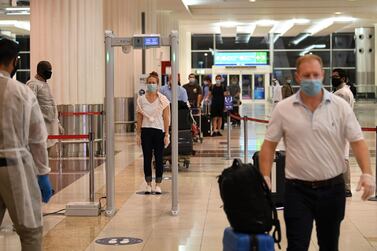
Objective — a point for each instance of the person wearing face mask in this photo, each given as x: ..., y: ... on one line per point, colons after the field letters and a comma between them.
x: 217, y: 95
x: 194, y: 92
x: 276, y: 93
x: 234, y: 91
x: 23, y: 154
x: 46, y: 101
x: 287, y: 90
x: 152, y: 130
x: 315, y: 126
x: 338, y: 80
x: 166, y: 90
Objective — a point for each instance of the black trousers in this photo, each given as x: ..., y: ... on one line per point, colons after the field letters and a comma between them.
x: 152, y: 142
x: 303, y: 204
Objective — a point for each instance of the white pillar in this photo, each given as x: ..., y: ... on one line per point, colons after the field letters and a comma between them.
x: 69, y: 34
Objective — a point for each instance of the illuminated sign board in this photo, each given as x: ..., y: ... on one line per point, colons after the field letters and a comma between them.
x: 241, y: 58
x: 151, y: 41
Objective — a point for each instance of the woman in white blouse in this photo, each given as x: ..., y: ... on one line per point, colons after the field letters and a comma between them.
x: 153, y: 120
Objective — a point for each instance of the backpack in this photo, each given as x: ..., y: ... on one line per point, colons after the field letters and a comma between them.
x: 247, y: 200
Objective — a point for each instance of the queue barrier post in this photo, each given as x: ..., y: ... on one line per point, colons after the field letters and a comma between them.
x: 245, y: 140
x: 375, y: 154
x: 228, y: 136
x: 91, y: 166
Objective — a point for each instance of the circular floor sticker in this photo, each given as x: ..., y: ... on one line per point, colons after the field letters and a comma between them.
x: 153, y: 193
x: 118, y: 241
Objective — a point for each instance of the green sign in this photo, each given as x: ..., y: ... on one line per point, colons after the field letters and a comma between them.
x: 241, y: 58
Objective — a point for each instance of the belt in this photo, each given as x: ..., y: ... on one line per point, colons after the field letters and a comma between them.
x: 3, y: 162
x: 320, y: 183
x: 7, y: 162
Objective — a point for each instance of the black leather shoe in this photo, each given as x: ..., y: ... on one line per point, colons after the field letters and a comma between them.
x: 348, y: 193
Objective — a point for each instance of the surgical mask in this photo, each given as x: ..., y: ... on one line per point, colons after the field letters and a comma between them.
x: 289, y: 81
x: 192, y: 80
x: 311, y: 87
x: 336, y: 82
x: 47, y: 74
x: 205, y: 82
x: 151, y: 87
x: 234, y: 82
x: 15, y: 65
x: 218, y: 82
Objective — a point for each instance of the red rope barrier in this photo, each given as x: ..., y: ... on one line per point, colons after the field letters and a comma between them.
x: 235, y: 117
x: 258, y: 120
x: 364, y: 129
x: 250, y: 119
x: 82, y: 136
x: 368, y: 129
x: 79, y: 113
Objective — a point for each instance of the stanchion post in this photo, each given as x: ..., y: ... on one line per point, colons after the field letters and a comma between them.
x: 375, y: 154
x: 375, y: 165
x: 91, y: 166
x: 228, y: 135
x: 245, y: 140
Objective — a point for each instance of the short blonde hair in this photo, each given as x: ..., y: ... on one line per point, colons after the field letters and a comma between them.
x: 306, y: 58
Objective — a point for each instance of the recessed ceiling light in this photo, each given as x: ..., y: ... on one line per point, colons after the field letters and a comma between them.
x: 266, y: 22
x: 228, y: 24
x: 344, y: 19
x: 337, y: 13
x: 252, y: 1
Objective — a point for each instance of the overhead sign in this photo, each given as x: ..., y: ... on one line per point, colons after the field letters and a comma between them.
x: 241, y: 58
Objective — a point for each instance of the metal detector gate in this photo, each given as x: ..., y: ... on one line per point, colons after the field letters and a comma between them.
x: 138, y: 42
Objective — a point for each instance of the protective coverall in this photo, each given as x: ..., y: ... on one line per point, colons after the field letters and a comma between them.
x: 23, y: 156
x: 47, y: 104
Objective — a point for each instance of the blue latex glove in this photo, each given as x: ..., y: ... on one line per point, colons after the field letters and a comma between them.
x: 45, y: 186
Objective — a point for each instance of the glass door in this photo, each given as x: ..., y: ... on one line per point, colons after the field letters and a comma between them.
x: 247, y: 90
x: 259, y: 90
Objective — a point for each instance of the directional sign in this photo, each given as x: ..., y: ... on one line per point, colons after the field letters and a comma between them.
x: 228, y: 103
x: 241, y: 58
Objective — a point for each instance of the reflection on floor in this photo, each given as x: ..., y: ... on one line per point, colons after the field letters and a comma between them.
x: 66, y: 171
x: 201, y: 220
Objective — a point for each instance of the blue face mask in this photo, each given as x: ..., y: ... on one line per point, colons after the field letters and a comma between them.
x: 151, y: 87
x: 311, y: 87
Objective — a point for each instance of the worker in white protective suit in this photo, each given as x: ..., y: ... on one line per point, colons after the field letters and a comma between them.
x: 45, y: 99
x: 23, y: 153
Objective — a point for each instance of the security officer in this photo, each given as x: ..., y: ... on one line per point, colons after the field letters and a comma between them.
x: 23, y: 153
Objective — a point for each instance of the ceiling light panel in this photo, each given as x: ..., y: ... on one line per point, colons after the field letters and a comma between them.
x: 247, y: 29
x: 266, y: 22
x: 282, y: 27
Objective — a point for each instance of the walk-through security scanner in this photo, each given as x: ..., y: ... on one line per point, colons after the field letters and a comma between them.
x: 143, y: 41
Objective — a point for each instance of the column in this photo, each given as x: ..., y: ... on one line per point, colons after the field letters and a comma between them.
x: 69, y: 34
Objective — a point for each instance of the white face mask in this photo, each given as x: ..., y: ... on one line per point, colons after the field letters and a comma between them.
x: 192, y: 80
x: 218, y: 82
x: 205, y: 82
x: 151, y: 87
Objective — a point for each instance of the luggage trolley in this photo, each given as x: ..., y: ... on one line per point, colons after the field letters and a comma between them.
x: 197, y: 134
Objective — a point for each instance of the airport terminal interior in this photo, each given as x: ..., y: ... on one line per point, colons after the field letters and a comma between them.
x: 107, y: 48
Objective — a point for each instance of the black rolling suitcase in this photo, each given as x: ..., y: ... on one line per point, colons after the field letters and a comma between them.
x: 277, y: 177
x: 206, y: 121
x: 185, y: 144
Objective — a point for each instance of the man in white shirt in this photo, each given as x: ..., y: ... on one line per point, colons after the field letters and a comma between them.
x: 342, y: 90
x: 276, y: 92
x: 315, y: 126
x: 46, y: 101
x: 24, y: 180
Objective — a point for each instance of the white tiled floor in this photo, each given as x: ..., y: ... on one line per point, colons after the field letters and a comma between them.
x: 201, y: 220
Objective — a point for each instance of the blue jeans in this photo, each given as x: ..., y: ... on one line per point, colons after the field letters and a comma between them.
x: 303, y: 204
